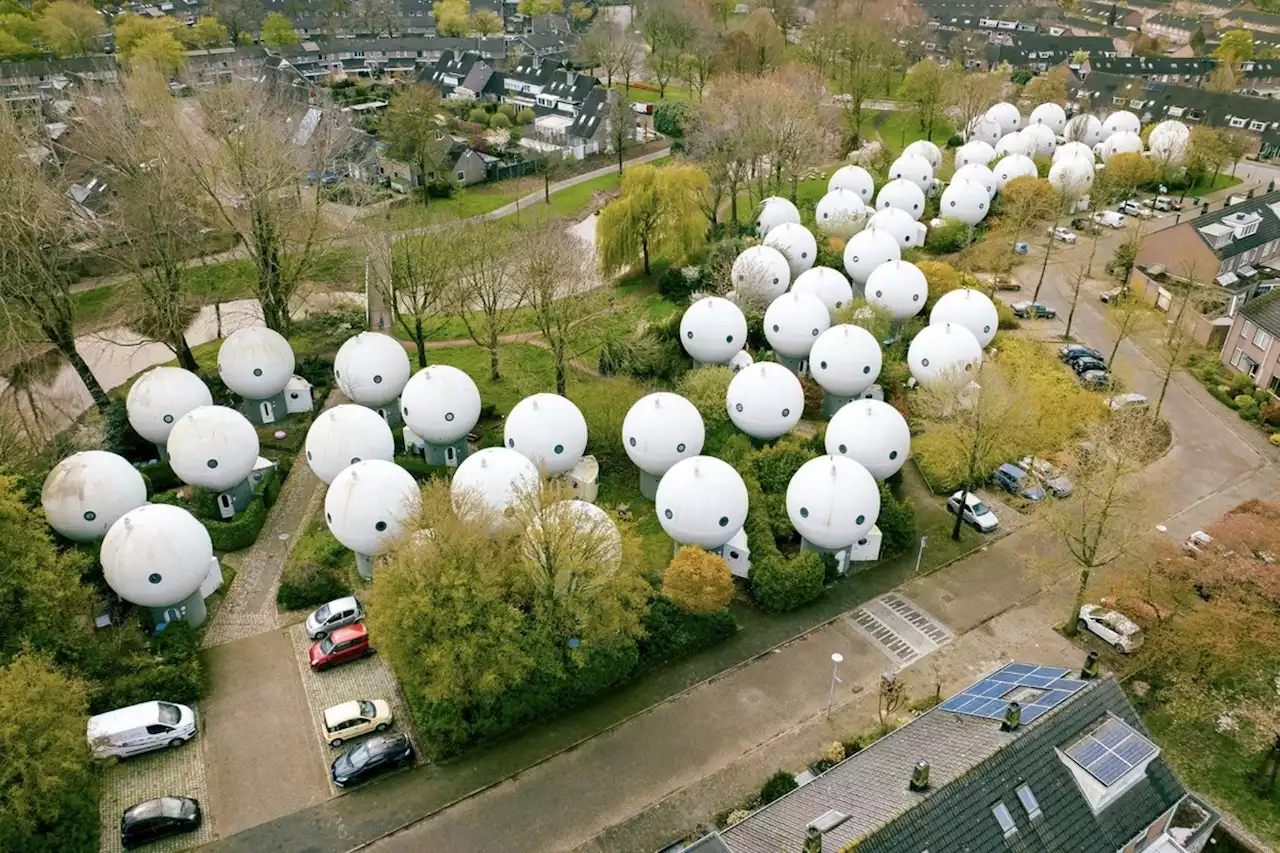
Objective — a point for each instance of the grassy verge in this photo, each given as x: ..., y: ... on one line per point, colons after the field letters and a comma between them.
x: 469, y: 201
x: 646, y: 96
x: 898, y: 129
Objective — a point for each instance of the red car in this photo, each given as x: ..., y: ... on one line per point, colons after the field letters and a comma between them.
x: 341, y: 646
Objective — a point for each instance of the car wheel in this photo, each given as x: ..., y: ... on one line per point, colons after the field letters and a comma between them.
x: 1118, y: 646
x: 1082, y: 626
x: 336, y: 742
x: 176, y: 742
x: 382, y: 727
x: 319, y: 635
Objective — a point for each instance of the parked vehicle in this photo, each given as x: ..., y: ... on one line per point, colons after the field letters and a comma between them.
x: 1062, y: 234
x: 1196, y: 543
x: 1113, y: 294
x: 1096, y: 379
x: 1127, y: 401
x: 159, y: 818
x: 976, y: 513
x: 376, y: 755
x: 334, y: 615
x: 1085, y: 224
x: 1109, y: 218
x: 1133, y: 208
x: 1015, y: 481
x: 1033, y: 310
x: 1080, y: 356
x: 1116, y: 629
x: 352, y: 719
x: 342, y: 645
x: 1044, y: 471
x: 1067, y: 352
x: 1086, y: 363
x: 140, y: 728
x: 1166, y: 202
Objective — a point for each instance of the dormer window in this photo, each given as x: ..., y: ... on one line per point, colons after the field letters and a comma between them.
x: 1108, y: 760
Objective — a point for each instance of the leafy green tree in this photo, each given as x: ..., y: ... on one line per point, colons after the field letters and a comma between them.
x: 19, y: 35
x: 924, y: 89
x: 1235, y: 46
x: 781, y: 585
x: 698, y: 581
x: 414, y: 129
x: 486, y: 23
x: 669, y: 118
x: 277, y: 30
x: 1198, y: 41
x: 161, y: 50
x: 657, y: 214
x: 70, y: 28
x: 208, y: 32
x: 534, y: 8
x: 453, y: 17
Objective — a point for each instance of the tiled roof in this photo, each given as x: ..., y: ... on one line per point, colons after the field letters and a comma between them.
x: 1177, y: 22
x: 590, y: 114
x: 1268, y: 228
x: 1083, y: 25
x: 1249, y: 17
x: 1215, y: 108
x: 1265, y: 311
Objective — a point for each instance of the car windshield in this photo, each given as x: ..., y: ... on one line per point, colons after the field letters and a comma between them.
x: 326, y: 645
x: 367, y: 709
x: 360, y: 755
x: 322, y: 613
x: 979, y: 508
x: 169, y: 714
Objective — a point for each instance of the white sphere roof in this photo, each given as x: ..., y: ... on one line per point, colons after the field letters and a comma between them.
x: 1051, y: 116
x: 899, y: 288
x: 969, y: 308
x: 660, y: 429
x: 900, y: 225
x: 913, y: 168
x: 1040, y: 140
x: 1071, y: 177
x: 855, y: 179
x: 440, y: 403
x: 255, y: 362
x: 156, y: 555
x: 840, y: 213
x: 1072, y: 150
x: 845, y: 360
x: 829, y: 285
x: 702, y: 501
x: 213, y: 447
x: 867, y: 250
x: 87, y: 492
x: 1168, y: 142
x: 871, y: 433
x: 1012, y: 143
x: 903, y: 195
x: 576, y: 527
x: 976, y: 151
x: 1121, y: 121
x: 741, y: 360
x: 980, y: 175
x: 1013, y: 167
x: 371, y: 504
x: 943, y: 351
x: 833, y: 501
x: 495, y: 477
x: 1121, y: 142
x: 793, y: 321
x: 713, y: 330
x: 765, y: 400
x: 160, y: 397
x: 796, y: 244
x: 775, y: 211
x: 985, y: 130
x: 345, y: 435
x: 371, y: 368
x: 549, y: 430
x: 966, y: 201
x: 926, y: 149
x: 1086, y: 129
x: 761, y: 273
x: 1006, y: 115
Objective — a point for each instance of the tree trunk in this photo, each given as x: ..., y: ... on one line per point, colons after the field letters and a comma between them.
x: 422, y: 173
x: 1075, y: 298
x: 420, y: 341
x: 1265, y: 778
x: 562, y: 380
x: 546, y: 183
x: 186, y: 358
x: 1048, y: 249
x: 644, y: 249
x: 494, y: 373
x: 86, y: 375
x: 1070, y: 628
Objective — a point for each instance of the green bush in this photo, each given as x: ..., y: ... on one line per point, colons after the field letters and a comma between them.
x: 1270, y: 414
x: 239, y: 532
x: 508, y: 110
x: 118, y: 436
x: 499, y: 121
x: 669, y: 118
x: 307, y: 585
x: 675, y: 286
x: 478, y: 116
x: 781, y: 585
x: 1006, y: 319
x: 181, y: 681
x: 161, y: 476
x: 526, y: 116
x: 1245, y: 401
x: 955, y: 141
x: 671, y: 632
x: 777, y: 786
x: 420, y: 469
x: 1274, y: 438
x: 951, y: 236
x: 707, y: 387
x: 897, y: 522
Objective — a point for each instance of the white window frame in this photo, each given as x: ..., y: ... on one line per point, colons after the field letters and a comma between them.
x: 1237, y: 122
x: 1005, y: 819
x: 1235, y: 357
x: 1028, y: 800
x: 1247, y: 330
x: 1257, y: 126
x: 460, y: 175
x: 1262, y: 339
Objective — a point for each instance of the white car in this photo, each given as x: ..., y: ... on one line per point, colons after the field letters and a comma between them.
x: 1116, y: 629
x: 1196, y: 543
x: 1127, y: 401
x: 1133, y: 208
x: 1062, y: 234
x: 976, y: 514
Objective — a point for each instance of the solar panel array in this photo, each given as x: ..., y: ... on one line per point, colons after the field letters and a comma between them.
x: 990, y: 697
x: 1110, y: 751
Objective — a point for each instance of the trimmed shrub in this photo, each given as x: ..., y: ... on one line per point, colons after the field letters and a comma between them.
x: 237, y: 533
x: 526, y: 116
x: 781, y: 585
x: 1275, y: 439
x: 161, y: 476
x: 478, y: 116
x: 508, y: 110
x: 698, y: 581
x: 1005, y: 316
x: 420, y: 468
x: 675, y: 286
x: 955, y: 141
x: 671, y: 632
x: 499, y: 121
x: 951, y: 236
x: 777, y: 786
x: 897, y: 522
x: 1270, y: 414
x: 118, y: 436
x: 669, y: 118
x: 181, y: 681
x: 306, y: 585
x: 707, y: 388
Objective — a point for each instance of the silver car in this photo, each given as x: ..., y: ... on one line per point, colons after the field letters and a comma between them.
x: 334, y: 615
x: 1054, y: 481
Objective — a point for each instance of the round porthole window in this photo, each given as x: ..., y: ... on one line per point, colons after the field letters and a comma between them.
x: 786, y: 412
x: 328, y: 516
x: 822, y: 364
x: 804, y: 512
x: 559, y: 448
x: 257, y: 371
x: 860, y: 519
x: 804, y: 254
x: 90, y: 515
x: 632, y: 442
x: 511, y: 442
x: 843, y: 449
x: 355, y: 459
x: 775, y: 279
x: 168, y: 419
x: 689, y: 335
x: 724, y: 521
x: 154, y: 577
x: 924, y: 362
x: 866, y: 369
x: 855, y: 259
x: 775, y: 327
x: 915, y: 297
x: 669, y: 514
x: 308, y: 455
x: 733, y: 555
x: 680, y: 447
x: 448, y: 416
x: 862, y: 542
x: 815, y: 333
x: 738, y: 407
x: 380, y: 526
x: 377, y: 379
x: 728, y: 339
x: 212, y: 463
x: 893, y: 454
x: 879, y: 293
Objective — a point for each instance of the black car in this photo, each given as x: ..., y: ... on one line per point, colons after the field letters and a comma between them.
x: 1097, y: 379
x: 376, y: 755
x: 1083, y: 365
x: 1068, y: 352
x: 1093, y: 355
x: 159, y: 818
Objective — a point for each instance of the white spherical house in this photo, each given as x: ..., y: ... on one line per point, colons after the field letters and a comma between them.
x: 867, y: 250
x: 845, y: 361
x: 1051, y: 116
x: 832, y: 502
x: 160, y: 397
x: 549, y: 430
x: 912, y: 168
x: 902, y: 195
x: 1121, y: 121
x: 966, y: 201
x: 840, y: 213
x: 976, y: 151
x: 344, y: 435
x: 1040, y: 140
x: 1006, y: 115
x: 855, y: 179
x: 440, y: 405
x: 213, y: 447
x: 713, y: 330
x: 1013, y: 143
x: 943, y: 351
x: 1073, y: 150
x: 898, y: 288
x: 579, y: 532
x: 969, y: 308
x: 1168, y: 143
x: 925, y: 149
x: 898, y: 223
x: 829, y: 285
x: 369, y: 506
x: 88, y: 492
x: 661, y: 429
x: 760, y: 274
x: 256, y: 363
x: 775, y: 211
x: 796, y: 244
x: 1013, y: 167
x: 372, y: 369
x: 1121, y: 142
x: 765, y: 400
x: 157, y: 556
x: 1072, y: 178
x: 980, y: 175
x: 493, y: 479
x: 702, y: 501
x: 871, y: 433
x: 792, y: 323
x: 1085, y: 129
x: 983, y: 129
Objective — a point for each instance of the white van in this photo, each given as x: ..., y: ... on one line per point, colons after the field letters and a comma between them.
x: 141, y: 728
x: 1109, y: 218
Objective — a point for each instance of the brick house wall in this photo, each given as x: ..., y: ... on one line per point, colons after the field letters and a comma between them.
x: 1249, y: 349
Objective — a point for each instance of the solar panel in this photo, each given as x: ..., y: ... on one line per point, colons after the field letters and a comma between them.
x: 990, y: 697
x: 1110, y: 751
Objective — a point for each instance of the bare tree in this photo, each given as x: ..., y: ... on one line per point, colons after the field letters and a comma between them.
x: 484, y: 293
x: 413, y: 280
x: 1172, y: 351
x: 1076, y: 276
x: 969, y: 95
x: 669, y: 27
x: 608, y: 45
x: 1127, y: 315
x: 864, y: 53
x: 556, y: 273
x: 716, y: 140
x: 621, y: 125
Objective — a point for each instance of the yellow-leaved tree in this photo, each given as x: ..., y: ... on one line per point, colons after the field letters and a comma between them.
x: 657, y: 214
x: 698, y: 581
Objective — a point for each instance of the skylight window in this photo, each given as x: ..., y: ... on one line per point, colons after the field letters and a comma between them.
x: 1028, y: 800
x: 1005, y: 819
x: 1110, y: 751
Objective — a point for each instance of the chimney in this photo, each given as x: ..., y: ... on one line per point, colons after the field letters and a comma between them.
x: 920, y: 777
x: 1090, y: 668
x: 1012, y: 717
x: 812, y: 840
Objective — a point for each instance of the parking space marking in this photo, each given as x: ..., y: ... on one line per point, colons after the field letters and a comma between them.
x: 899, y: 628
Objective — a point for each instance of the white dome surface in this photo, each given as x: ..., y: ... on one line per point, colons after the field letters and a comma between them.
x: 344, y: 435
x: 976, y: 151
x: 765, y: 400
x: 829, y: 285
x: 855, y: 179
x: 1012, y: 143
x: 713, y: 330
x: 213, y: 447
x: 1073, y: 150
x: 845, y: 360
x: 549, y: 430
x: 1040, y: 140
x: 156, y: 555
x: 775, y: 211
x: 985, y: 130
x: 702, y: 501
x: 1121, y: 121
x: 796, y: 244
x: 867, y: 250
x: 898, y: 223
x: 1051, y: 116
x: 840, y: 213
x: 899, y: 288
x: 1072, y: 177
x: 1121, y: 142
x: 440, y: 403
x: 370, y: 505
x: 871, y: 433
x: 1006, y: 115
x: 89, y: 491
x: 1168, y: 142
x: 255, y: 362
x: 494, y: 476
x: 660, y: 429
x: 761, y: 273
x: 969, y: 308
x: 966, y: 201
x: 1085, y: 129
x: 741, y: 360
x: 576, y: 528
x: 943, y: 351
x: 913, y: 168
x: 903, y: 195
x: 160, y: 397
x: 371, y: 368
x: 926, y: 149
x: 980, y: 175
x: 793, y: 321
x: 833, y: 501
x: 1013, y: 167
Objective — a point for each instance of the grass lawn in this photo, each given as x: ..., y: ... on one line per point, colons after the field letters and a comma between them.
x: 673, y: 93
x: 898, y: 129
x: 469, y: 201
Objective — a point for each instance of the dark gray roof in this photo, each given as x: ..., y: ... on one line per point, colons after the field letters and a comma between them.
x: 1199, y: 105
x: 1084, y: 25
x: 1142, y: 66
x: 1177, y: 22
x: 1265, y: 311
x: 1250, y: 17
x: 590, y: 114
x: 1268, y: 228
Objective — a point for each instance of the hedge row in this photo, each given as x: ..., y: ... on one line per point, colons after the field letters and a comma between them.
x: 318, y: 571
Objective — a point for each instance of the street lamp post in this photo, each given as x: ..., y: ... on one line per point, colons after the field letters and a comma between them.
x: 836, y: 659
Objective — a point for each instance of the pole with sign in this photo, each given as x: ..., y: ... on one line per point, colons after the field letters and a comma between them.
x: 924, y: 540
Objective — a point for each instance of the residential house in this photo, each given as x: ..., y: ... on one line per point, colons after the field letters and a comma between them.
x: 1267, y: 22
x: 1113, y: 14
x: 1031, y: 758
x: 1177, y: 29
x: 1085, y: 27
x: 1041, y: 52
x: 1257, y: 76
x: 393, y: 57
x: 1251, y: 343
x: 40, y: 78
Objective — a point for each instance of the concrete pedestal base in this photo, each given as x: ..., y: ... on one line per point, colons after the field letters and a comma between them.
x: 832, y: 403
x: 649, y: 485
x: 798, y: 366
x: 190, y: 610
x: 364, y: 565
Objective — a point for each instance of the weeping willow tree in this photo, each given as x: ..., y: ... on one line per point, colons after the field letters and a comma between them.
x: 657, y: 214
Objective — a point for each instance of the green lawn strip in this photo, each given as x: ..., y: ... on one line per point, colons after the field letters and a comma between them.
x: 645, y: 96
x: 900, y: 128
x: 469, y: 201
